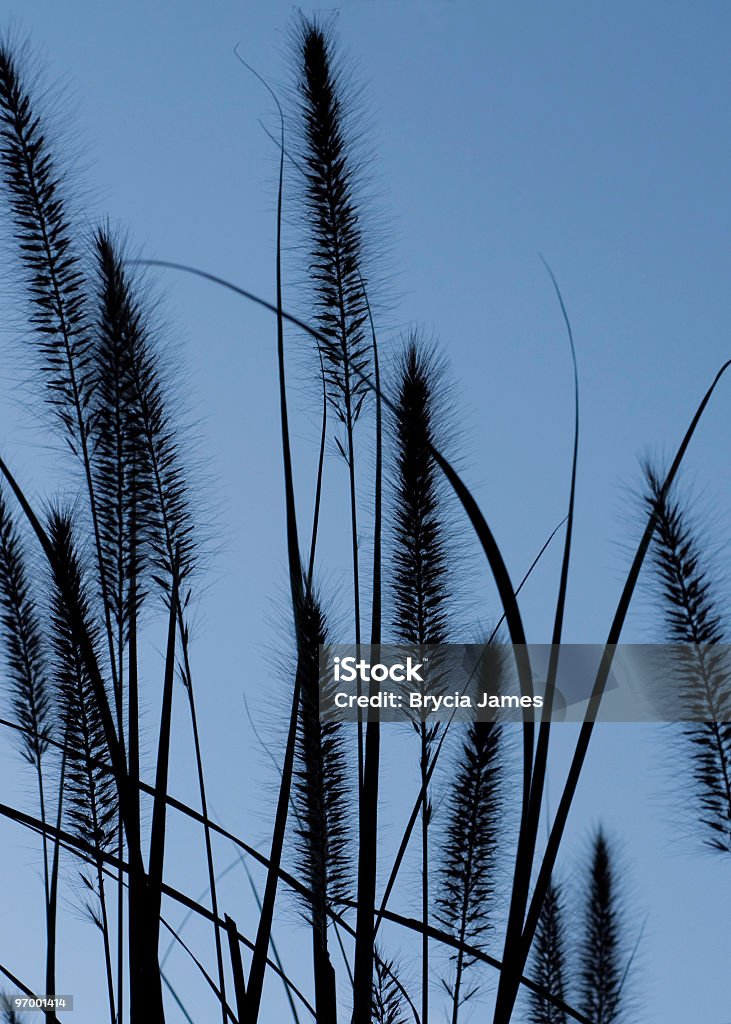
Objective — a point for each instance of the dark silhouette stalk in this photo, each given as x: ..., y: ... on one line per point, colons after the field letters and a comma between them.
x: 157, y: 834
x: 264, y: 930
x: 137, y: 930
x: 318, y: 485
x: 42, y: 808
x: 50, y: 914
x: 53, y: 887
x: 275, y: 952
x: 188, y: 681
x: 368, y: 808
x: 133, y: 712
x: 237, y: 966
x: 425, y: 820
x: 529, y: 825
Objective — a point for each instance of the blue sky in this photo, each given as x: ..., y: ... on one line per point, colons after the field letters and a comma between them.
x: 598, y: 135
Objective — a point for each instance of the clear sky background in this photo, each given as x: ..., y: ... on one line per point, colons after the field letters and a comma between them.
x: 598, y: 135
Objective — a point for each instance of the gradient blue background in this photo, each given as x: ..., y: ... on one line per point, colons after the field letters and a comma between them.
x: 596, y: 134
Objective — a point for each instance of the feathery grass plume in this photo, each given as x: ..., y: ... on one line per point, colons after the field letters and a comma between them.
x: 162, y: 506
x: 23, y: 640
x: 90, y: 798
x: 91, y: 790
x: 387, y: 998
x: 549, y: 960
x: 333, y: 221
x: 321, y: 798
x: 691, y: 616
x: 121, y: 462
x: 52, y: 269
x: 601, y: 973
x: 469, y: 850
x: 29, y: 691
x: 420, y: 578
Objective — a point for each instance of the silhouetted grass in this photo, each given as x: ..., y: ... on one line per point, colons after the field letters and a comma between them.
x: 91, y: 807
x: 549, y: 960
x: 467, y: 886
x: 72, y: 631
x: 692, y: 617
x: 420, y: 577
x: 600, y: 951
x: 321, y: 797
